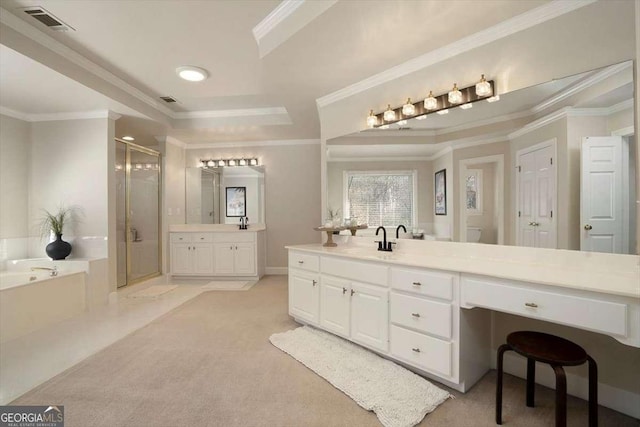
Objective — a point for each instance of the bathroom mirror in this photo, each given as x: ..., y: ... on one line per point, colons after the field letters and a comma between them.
x: 482, y: 148
x: 205, y: 192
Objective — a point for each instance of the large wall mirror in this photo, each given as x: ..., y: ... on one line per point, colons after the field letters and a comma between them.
x: 206, y: 194
x: 551, y: 165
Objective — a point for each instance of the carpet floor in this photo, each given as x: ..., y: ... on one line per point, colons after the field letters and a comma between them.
x: 209, y: 362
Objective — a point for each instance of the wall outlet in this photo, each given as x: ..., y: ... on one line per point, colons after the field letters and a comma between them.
x: 169, y: 211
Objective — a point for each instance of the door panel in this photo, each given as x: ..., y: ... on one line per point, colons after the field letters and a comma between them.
x: 224, y: 258
x: 244, y: 259
x: 304, y: 297
x: 370, y: 315
x: 335, y: 301
x: 202, y: 254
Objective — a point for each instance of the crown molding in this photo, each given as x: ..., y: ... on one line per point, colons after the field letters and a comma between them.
x: 14, y: 113
x: 379, y: 159
x: 50, y: 117
x: 17, y: 24
x: 621, y: 106
x: 541, y: 122
x: 275, y: 143
x: 245, y: 112
x: 275, y: 18
x: 171, y: 140
x: 584, y: 84
x: 504, y: 29
x: 491, y: 121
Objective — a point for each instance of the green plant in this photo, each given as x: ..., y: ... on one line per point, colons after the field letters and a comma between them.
x: 56, y: 222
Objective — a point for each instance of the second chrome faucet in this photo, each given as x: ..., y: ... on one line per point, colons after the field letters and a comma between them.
x: 385, y: 246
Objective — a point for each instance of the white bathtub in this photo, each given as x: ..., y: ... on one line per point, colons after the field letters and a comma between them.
x: 30, y: 300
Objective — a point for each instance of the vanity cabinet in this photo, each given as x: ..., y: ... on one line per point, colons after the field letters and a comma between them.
x: 191, y: 254
x: 304, y: 292
x: 234, y: 259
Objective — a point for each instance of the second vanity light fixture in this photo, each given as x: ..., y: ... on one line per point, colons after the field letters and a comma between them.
x: 221, y: 163
x: 463, y: 98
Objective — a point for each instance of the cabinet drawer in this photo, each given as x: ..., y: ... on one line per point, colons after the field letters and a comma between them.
x: 438, y: 285
x: 421, y: 314
x: 422, y: 351
x: 238, y: 237
x: 583, y: 312
x: 304, y: 261
x: 181, y: 237
x: 360, y: 271
x: 201, y: 237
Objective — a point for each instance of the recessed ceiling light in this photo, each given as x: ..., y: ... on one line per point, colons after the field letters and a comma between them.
x: 128, y: 138
x: 192, y: 74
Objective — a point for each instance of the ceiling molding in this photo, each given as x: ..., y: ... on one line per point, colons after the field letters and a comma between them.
x: 17, y: 24
x: 275, y: 18
x: 504, y: 29
x: 245, y: 112
x: 582, y: 85
x: 541, y: 122
x: 379, y: 159
x: 491, y: 121
x: 14, y: 113
x: 173, y: 141
x: 50, y: 117
x: 253, y: 143
x: 621, y: 106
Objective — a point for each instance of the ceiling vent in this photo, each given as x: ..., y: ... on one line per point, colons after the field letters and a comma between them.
x: 46, y: 18
x: 168, y: 99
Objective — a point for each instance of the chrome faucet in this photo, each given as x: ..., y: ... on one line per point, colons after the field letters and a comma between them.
x: 384, y: 245
x: 52, y: 271
x: 398, y: 230
x: 244, y: 223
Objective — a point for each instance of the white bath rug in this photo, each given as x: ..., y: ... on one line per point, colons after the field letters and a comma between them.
x: 398, y: 397
x: 152, y: 291
x: 230, y: 285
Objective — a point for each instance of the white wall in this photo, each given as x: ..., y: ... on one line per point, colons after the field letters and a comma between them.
x: 15, y: 145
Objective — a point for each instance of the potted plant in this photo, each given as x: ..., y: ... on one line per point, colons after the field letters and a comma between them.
x: 54, y: 224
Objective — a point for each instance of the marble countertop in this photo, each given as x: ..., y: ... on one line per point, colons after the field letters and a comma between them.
x: 589, y: 271
x: 213, y: 228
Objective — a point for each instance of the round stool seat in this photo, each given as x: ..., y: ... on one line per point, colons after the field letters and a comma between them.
x: 547, y: 348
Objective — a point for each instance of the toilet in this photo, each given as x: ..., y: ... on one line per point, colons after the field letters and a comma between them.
x: 473, y: 234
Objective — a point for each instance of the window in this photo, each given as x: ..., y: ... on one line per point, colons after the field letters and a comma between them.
x: 474, y: 192
x: 380, y: 198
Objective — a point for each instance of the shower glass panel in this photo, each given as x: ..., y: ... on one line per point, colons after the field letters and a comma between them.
x: 138, y: 212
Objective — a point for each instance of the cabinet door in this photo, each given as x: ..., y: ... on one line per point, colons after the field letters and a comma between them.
x: 223, y: 254
x: 370, y: 315
x: 304, y: 296
x: 335, y: 299
x: 202, y: 254
x: 181, y: 258
x: 244, y: 259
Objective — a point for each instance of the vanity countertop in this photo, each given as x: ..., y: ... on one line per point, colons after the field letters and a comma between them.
x: 214, y: 228
x: 589, y: 271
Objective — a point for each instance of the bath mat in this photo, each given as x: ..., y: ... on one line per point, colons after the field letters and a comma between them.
x: 153, y: 291
x: 219, y: 285
x: 398, y: 397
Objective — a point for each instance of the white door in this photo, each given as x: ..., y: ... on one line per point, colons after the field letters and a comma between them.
x: 244, y: 259
x: 536, y: 197
x: 304, y: 296
x: 601, y: 204
x: 370, y: 315
x: 223, y: 254
x: 202, y: 254
x: 335, y: 299
x: 181, y: 258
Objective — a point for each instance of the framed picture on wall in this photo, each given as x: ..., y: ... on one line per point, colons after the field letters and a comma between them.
x: 441, y: 192
x: 236, y: 201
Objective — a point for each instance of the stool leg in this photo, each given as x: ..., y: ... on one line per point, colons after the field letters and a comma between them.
x: 593, y: 392
x: 561, y: 396
x: 501, y: 350
x: 531, y: 382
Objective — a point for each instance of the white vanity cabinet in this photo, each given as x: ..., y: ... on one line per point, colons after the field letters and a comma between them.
x: 226, y: 253
x: 304, y: 288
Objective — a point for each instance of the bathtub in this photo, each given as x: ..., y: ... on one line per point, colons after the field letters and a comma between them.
x: 30, y: 300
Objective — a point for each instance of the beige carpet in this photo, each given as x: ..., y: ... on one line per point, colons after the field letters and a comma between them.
x: 209, y: 362
x: 230, y: 285
x: 152, y: 291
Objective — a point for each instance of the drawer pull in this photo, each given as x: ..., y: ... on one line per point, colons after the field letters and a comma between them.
x: 417, y: 350
x: 417, y: 284
x: 202, y: 238
x: 344, y: 290
x: 314, y: 282
x: 415, y: 314
x: 531, y: 304
x: 300, y: 262
x: 352, y: 292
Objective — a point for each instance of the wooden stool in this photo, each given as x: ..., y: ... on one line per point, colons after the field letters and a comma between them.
x: 557, y: 352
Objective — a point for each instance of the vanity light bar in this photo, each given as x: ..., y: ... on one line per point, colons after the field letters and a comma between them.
x: 468, y: 96
x: 220, y: 163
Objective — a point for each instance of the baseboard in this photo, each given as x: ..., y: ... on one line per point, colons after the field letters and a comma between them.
x: 615, y: 398
x: 278, y: 271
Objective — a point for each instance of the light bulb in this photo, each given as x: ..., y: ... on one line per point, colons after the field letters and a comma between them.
x: 455, y: 96
x: 389, y: 115
x: 232, y: 162
x: 254, y: 162
x: 201, y: 164
x: 408, y: 109
x: 242, y: 162
x: 466, y: 106
x: 483, y: 88
x: 221, y: 163
x: 372, y: 120
x: 211, y: 163
x: 441, y: 112
x: 430, y: 102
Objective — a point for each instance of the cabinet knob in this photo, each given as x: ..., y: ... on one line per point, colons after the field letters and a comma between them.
x: 352, y: 292
x: 344, y: 290
x: 531, y: 304
x: 230, y: 248
x: 417, y: 350
x: 300, y: 262
x: 417, y: 284
x: 314, y: 283
x: 415, y: 314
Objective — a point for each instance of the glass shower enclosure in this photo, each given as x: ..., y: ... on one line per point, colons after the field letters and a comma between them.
x: 138, y: 178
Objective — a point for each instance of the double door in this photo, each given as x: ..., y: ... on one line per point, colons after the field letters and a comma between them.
x: 536, y: 197
x: 191, y: 258
x: 234, y: 258
x: 355, y: 310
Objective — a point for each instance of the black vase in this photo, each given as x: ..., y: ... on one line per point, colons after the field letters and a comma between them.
x: 58, y: 249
